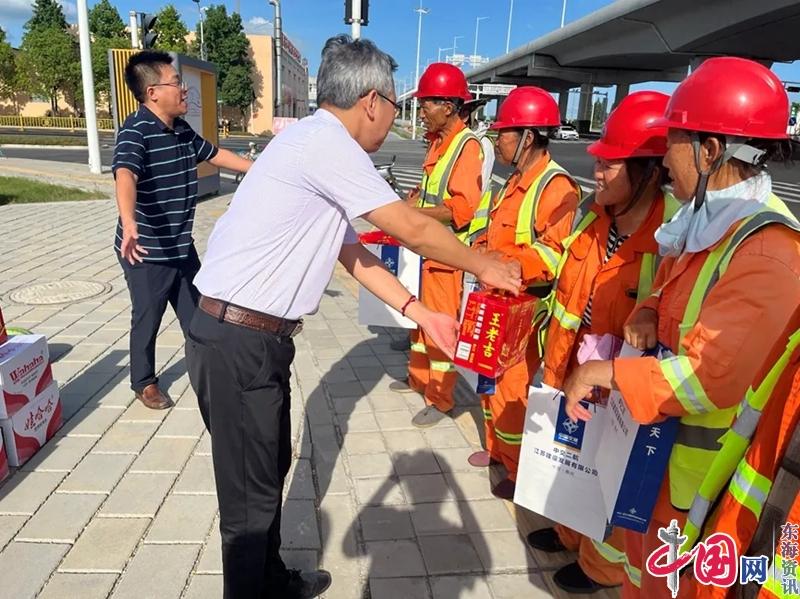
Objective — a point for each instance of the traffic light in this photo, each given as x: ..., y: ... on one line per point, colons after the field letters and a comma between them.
x: 149, y: 35
x: 348, y: 11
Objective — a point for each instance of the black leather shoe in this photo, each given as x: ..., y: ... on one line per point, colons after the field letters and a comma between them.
x: 305, y: 585
x: 572, y: 579
x: 546, y: 539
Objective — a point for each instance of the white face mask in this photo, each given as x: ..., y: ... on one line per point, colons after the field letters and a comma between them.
x: 693, y: 232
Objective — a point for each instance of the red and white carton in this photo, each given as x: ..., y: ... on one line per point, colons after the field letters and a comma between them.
x: 3, y: 331
x: 495, y: 330
x: 24, y: 371
x: 32, y: 426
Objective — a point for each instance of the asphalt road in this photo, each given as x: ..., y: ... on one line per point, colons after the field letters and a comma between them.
x: 409, y: 154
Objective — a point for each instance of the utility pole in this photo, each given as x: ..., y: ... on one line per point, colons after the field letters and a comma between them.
x: 455, y: 44
x: 278, y: 55
x: 420, y: 11
x: 89, y: 107
x: 133, y: 24
x: 508, y: 33
x: 405, y: 88
x: 355, y: 8
x: 477, y: 24
x: 202, y: 32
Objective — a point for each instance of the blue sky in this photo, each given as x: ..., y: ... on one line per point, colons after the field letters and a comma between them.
x: 393, y: 24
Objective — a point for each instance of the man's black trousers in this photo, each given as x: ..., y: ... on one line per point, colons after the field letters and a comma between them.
x: 241, y: 378
x: 152, y: 285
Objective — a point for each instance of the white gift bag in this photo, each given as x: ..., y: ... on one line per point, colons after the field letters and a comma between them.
x: 632, y: 460
x: 557, y: 475
x: 406, y: 266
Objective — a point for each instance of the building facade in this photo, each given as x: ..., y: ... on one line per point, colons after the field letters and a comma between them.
x: 294, y: 83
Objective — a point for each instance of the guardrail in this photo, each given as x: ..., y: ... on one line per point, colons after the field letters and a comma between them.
x: 52, y: 122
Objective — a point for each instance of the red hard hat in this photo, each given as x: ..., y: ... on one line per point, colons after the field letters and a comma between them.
x: 527, y: 107
x: 442, y: 80
x: 730, y: 96
x: 627, y: 132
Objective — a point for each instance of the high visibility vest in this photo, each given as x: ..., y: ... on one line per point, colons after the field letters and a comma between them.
x: 526, y: 217
x: 433, y: 189
x: 647, y: 271
x: 711, y: 442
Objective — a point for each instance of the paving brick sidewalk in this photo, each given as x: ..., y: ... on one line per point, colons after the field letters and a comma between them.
x: 121, y: 503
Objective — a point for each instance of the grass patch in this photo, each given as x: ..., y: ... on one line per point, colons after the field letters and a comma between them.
x: 17, y: 190
x: 401, y: 132
x: 42, y: 140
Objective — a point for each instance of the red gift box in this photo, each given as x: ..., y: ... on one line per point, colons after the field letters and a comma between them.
x: 495, y: 330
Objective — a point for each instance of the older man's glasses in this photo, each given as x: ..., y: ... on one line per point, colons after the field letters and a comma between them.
x: 397, y: 107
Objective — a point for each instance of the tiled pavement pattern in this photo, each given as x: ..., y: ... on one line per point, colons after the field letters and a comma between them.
x: 121, y: 503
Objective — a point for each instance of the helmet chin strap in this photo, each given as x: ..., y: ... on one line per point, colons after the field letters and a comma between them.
x: 520, y: 146
x: 735, y: 147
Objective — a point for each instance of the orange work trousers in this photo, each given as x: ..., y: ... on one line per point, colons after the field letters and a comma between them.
x: 591, y: 561
x: 504, y: 411
x: 430, y: 370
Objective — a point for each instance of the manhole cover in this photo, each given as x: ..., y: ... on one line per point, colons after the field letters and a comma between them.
x: 58, y: 292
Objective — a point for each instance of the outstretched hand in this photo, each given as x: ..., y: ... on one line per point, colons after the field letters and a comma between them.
x: 498, y: 274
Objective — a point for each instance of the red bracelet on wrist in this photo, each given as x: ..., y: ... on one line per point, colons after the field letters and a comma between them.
x: 409, y: 301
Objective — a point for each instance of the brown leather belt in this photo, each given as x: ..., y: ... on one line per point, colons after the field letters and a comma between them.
x: 249, y: 318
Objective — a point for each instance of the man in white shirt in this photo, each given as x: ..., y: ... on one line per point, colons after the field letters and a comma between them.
x: 269, y: 260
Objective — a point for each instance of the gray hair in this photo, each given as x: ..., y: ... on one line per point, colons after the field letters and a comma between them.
x: 350, y: 69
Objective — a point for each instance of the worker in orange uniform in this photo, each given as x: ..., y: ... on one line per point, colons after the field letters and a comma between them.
x: 726, y: 307
x: 609, y: 266
x: 538, y: 199
x: 449, y: 192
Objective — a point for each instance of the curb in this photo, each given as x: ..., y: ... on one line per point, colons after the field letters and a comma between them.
x: 40, y: 147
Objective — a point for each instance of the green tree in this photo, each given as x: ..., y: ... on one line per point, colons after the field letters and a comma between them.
x: 100, y: 68
x: 49, y: 64
x: 171, y: 30
x: 228, y: 48
x: 105, y: 22
x: 8, y: 70
x: 108, y: 31
x: 46, y: 14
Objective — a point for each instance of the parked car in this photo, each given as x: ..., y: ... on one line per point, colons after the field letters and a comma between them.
x: 564, y: 132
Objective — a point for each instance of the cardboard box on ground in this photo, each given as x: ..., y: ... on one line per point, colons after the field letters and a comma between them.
x: 30, y: 407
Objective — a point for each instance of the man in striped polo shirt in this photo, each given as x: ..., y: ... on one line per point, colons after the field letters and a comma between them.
x: 155, y: 170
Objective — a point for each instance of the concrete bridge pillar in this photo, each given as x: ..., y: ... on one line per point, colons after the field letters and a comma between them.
x: 623, y: 89
x: 563, y: 102
x: 585, y: 108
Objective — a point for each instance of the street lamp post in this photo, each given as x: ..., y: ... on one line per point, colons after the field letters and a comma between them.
x: 355, y: 27
x: 477, y: 24
x: 202, y: 32
x: 420, y: 11
x: 455, y: 40
x: 134, y: 27
x: 563, y: 12
x: 439, y: 57
x: 278, y: 35
x: 89, y: 108
x: 508, y: 33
